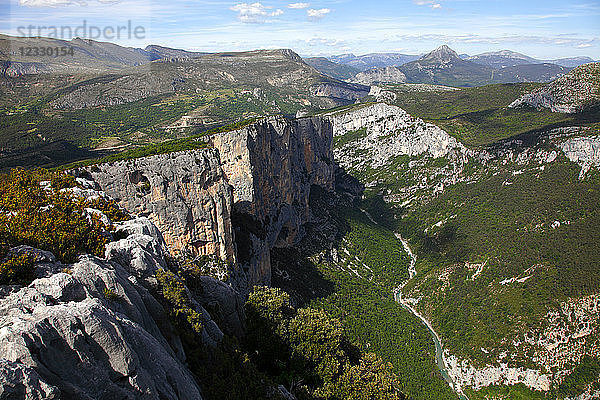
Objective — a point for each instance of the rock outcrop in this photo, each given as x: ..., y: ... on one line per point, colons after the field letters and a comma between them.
x: 185, y: 194
x: 272, y: 165
x: 337, y: 90
x: 380, y: 75
x: 584, y: 151
x: 388, y: 132
x: 572, y: 93
x: 63, y: 337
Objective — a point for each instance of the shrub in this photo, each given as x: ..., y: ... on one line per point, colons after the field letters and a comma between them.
x: 174, y: 292
x: 46, y: 218
x: 110, y: 294
x: 17, y: 269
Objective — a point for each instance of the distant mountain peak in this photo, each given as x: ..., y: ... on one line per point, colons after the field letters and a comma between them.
x: 442, y: 54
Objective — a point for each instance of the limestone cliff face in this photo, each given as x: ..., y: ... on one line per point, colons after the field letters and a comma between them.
x: 388, y: 131
x: 584, y: 151
x: 272, y: 165
x: 185, y: 194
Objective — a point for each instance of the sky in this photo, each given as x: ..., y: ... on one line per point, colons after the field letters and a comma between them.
x: 546, y: 29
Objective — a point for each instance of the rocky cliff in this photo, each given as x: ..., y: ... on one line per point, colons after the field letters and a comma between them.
x: 96, y: 329
x: 185, y: 194
x: 387, y: 132
x: 272, y: 165
x: 260, y: 176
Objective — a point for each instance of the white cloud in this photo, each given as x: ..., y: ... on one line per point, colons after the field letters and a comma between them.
x: 299, y: 6
x: 60, y: 3
x: 583, y: 45
x: 255, y: 13
x: 430, y: 3
x: 317, y: 14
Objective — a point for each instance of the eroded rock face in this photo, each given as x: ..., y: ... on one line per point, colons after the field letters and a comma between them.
x: 380, y: 75
x: 584, y: 151
x: 389, y: 132
x: 185, y: 194
x: 272, y: 165
x: 63, y: 337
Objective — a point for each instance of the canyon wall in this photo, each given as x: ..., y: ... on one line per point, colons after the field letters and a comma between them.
x: 272, y: 165
x: 185, y: 194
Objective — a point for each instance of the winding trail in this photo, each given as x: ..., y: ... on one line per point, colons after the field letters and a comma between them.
x: 439, y: 349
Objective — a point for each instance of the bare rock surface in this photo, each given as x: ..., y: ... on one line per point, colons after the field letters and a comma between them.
x: 64, y: 337
x: 185, y: 194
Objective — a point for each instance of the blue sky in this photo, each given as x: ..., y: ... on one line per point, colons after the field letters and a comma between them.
x: 544, y: 29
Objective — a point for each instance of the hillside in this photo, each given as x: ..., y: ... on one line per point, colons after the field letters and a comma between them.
x: 574, y: 92
x: 530, y: 73
x: 495, y: 275
x: 335, y: 70
x: 373, y: 60
x: 159, y: 101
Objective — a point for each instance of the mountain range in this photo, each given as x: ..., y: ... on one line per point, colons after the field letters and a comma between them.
x: 444, y: 66
x: 502, y: 58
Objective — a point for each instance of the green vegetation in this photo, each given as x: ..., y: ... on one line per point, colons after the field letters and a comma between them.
x: 110, y: 294
x: 48, y: 219
x: 307, y: 350
x: 173, y: 291
x: 508, y: 227
x: 438, y: 104
x: 479, y: 116
x: 170, y: 146
x: 513, y: 392
x: 588, y: 371
x: 357, y: 288
x: 17, y: 269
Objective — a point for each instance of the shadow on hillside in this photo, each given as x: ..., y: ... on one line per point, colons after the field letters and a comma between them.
x: 294, y: 269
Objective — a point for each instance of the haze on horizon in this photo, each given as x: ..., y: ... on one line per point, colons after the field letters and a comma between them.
x: 541, y: 29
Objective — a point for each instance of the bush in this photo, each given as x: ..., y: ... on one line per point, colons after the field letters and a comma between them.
x: 174, y: 292
x: 17, y: 269
x: 46, y: 218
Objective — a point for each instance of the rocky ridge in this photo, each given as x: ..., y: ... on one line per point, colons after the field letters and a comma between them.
x: 571, y: 93
x: 380, y: 75
x: 97, y: 329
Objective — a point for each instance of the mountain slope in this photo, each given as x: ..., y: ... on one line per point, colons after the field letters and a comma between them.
x: 530, y: 73
x: 373, y: 60
x: 83, y: 55
x: 574, y: 92
x: 502, y: 59
x: 443, y: 66
x: 335, y: 70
